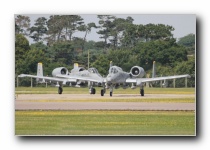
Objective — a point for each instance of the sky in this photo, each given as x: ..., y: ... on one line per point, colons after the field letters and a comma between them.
x: 184, y: 24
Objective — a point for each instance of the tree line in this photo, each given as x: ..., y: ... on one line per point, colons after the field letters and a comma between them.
x: 123, y: 42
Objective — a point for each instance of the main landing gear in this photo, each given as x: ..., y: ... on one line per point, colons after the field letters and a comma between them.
x: 103, y: 91
x: 111, y: 90
x: 142, y: 91
x: 92, y: 90
x: 60, y: 90
x: 110, y: 94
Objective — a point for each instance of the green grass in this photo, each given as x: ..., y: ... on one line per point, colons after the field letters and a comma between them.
x: 159, y: 100
x: 105, y: 122
x: 72, y: 90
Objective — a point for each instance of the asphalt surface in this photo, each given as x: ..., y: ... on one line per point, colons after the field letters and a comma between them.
x: 61, y: 102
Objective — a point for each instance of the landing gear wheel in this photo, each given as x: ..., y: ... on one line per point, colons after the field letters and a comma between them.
x: 110, y: 93
x: 92, y: 91
x: 142, y: 92
x: 60, y: 90
x: 102, y: 92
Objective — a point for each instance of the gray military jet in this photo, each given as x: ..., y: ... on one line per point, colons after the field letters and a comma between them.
x: 82, y: 76
x: 117, y: 77
x: 77, y: 77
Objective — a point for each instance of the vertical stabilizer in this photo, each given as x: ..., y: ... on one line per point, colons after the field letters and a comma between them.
x: 154, y: 70
x: 39, y: 69
x: 110, y: 65
x: 76, y: 65
x: 40, y: 72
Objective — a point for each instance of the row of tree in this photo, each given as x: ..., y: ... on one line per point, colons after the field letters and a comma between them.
x: 124, y: 43
x: 115, y: 32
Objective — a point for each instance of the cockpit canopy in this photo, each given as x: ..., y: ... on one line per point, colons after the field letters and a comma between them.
x: 93, y: 70
x: 114, y: 69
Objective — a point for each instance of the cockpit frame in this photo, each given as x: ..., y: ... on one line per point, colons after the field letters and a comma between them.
x: 114, y: 70
x: 93, y: 70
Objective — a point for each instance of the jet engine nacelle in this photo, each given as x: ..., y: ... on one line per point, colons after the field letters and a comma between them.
x: 60, y: 71
x: 137, y: 71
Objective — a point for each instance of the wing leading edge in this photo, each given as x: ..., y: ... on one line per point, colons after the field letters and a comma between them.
x: 48, y: 78
x: 138, y: 81
x: 64, y: 78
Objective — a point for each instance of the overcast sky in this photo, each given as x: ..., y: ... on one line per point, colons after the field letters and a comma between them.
x: 184, y: 24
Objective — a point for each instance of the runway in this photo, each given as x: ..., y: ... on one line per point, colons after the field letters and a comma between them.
x: 78, y: 97
x: 63, y: 102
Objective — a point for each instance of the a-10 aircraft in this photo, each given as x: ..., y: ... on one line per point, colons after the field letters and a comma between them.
x: 77, y: 77
x: 116, y: 78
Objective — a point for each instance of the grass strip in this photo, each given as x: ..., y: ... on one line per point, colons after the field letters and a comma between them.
x: 105, y: 122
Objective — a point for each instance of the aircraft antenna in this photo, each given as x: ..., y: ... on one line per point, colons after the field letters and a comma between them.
x: 110, y: 65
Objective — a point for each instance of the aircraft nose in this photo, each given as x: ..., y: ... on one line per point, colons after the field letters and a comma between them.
x: 108, y: 79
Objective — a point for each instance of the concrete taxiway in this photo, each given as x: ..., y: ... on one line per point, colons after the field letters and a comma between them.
x: 97, y: 96
x: 62, y: 102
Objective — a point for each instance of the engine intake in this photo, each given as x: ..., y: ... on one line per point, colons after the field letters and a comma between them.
x: 60, y: 71
x: 137, y: 71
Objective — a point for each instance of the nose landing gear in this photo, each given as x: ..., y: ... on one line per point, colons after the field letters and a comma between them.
x: 103, y: 91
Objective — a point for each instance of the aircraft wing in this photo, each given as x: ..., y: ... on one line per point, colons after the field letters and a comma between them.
x: 81, y: 78
x: 48, y: 78
x: 138, y: 81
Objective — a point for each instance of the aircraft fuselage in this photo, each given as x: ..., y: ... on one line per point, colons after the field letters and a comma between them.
x: 116, y: 75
